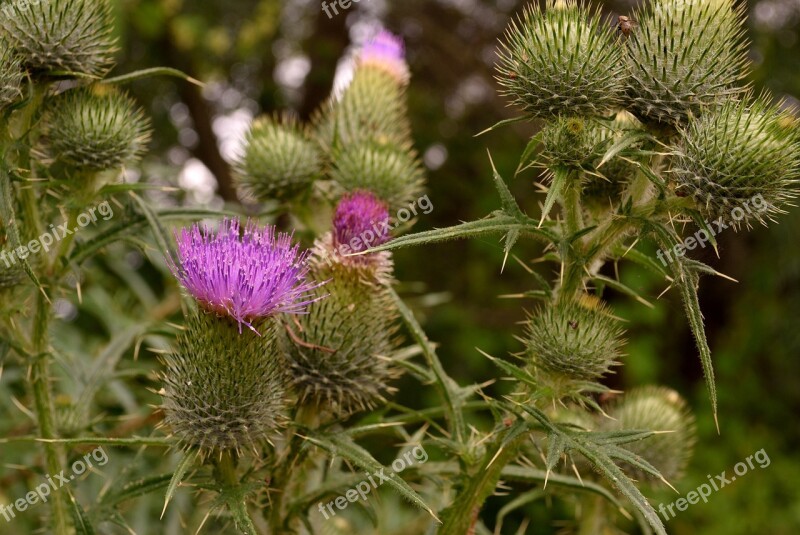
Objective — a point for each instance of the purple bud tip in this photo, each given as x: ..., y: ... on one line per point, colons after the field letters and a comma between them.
x: 247, y: 274
x: 386, y: 50
x: 361, y: 221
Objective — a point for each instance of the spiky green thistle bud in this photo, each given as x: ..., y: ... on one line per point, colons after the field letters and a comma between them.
x: 373, y: 107
x: 572, y: 341
x: 392, y: 174
x: 739, y: 161
x: 279, y: 161
x: 562, y: 60
x: 655, y: 409
x: 569, y: 142
x: 61, y: 36
x: 339, y: 354
x: 11, y: 75
x: 223, y: 389
x: 93, y: 130
x: 685, y: 55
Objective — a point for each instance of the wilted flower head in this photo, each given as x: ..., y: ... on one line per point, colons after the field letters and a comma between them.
x: 247, y: 274
x: 361, y: 221
x: 386, y: 51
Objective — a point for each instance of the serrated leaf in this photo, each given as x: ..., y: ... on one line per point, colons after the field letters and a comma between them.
x: 629, y: 138
x: 507, y: 200
x: 83, y: 525
x: 556, y: 446
x: 532, y: 145
x: 138, y: 488
x: 346, y: 448
x: 557, y: 185
x: 186, y: 462
x: 497, y: 223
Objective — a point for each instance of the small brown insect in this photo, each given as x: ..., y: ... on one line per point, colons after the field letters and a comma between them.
x: 625, y: 25
x: 573, y: 324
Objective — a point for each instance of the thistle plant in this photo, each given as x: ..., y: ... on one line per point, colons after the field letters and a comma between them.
x: 263, y: 352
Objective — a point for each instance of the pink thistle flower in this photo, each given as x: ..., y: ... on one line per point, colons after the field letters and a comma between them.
x: 247, y: 274
x: 386, y: 51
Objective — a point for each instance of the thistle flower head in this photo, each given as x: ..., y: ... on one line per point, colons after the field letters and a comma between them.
x: 223, y: 389
x: 61, y: 36
x: 11, y: 75
x: 561, y: 60
x: 739, y: 161
x: 655, y: 409
x: 573, y: 341
x: 246, y: 273
x: 386, y: 51
x: 361, y: 215
x: 339, y: 357
x: 93, y: 129
x: 685, y: 55
x: 278, y: 161
x: 569, y: 141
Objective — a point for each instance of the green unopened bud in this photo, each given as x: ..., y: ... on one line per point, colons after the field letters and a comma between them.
x: 685, y: 55
x: 562, y: 60
x: 372, y: 108
x: 339, y: 354
x: 570, y: 142
x: 223, y: 390
x: 573, y: 341
x: 392, y: 174
x: 61, y: 36
x: 279, y: 161
x: 655, y: 409
x: 739, y: 161
x: 93, y: 130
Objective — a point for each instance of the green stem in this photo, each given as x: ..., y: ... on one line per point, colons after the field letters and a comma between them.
x: 573, y: 264
x: 40, y: 385
x: 462, y: 516
x: 237, y: 503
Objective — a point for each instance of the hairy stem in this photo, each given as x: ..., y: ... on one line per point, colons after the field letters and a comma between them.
x: 237, y: 503
x: 39, y: 378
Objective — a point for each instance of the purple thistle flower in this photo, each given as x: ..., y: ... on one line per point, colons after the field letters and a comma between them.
x: 386, y: 51
x: 361, y: 221
x: 246, y: 275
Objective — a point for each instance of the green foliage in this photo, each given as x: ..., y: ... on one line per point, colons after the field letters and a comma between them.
x: 223, y: 389
x: 56, y: 37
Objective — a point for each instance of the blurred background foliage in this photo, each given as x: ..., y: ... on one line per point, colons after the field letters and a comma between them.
x: 263, y: 56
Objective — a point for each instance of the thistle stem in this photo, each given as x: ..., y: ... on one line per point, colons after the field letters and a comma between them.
x: 39, y: 378
x: 237, y: 503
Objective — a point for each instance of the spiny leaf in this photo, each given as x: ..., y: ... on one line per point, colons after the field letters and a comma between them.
x: 186, y: 462
x: 83, y: 525
x: 345, y: 447
x: 559, y: 182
